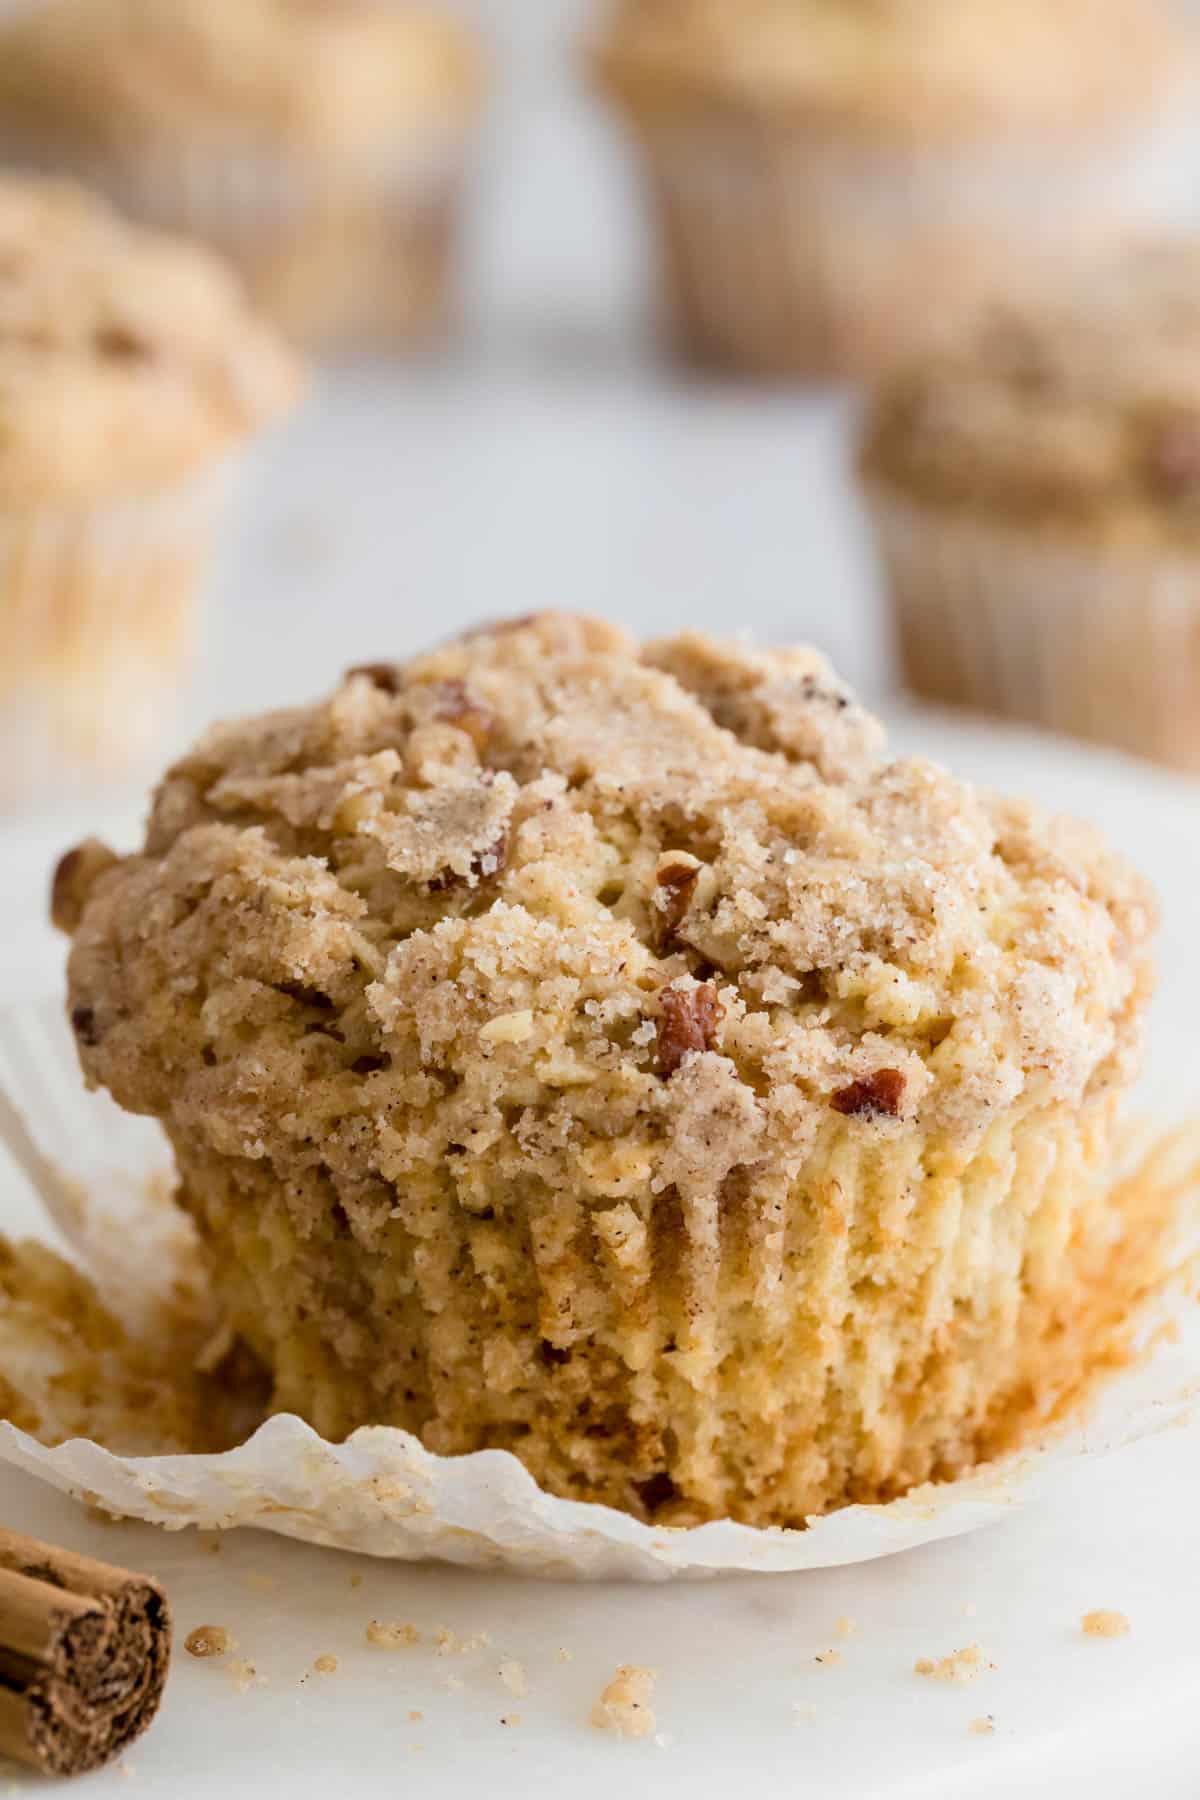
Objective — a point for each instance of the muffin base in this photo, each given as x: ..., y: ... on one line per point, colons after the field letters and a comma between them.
x: 357, y: 261
x: 787, y: 252
x: 96, y: 629
x: 905, y: 1311
x: 1088, y: 638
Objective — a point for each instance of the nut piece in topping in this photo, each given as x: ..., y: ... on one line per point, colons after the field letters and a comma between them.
x: 208, y: 1640
x: 688, y: 1022
x: 876, y: 1096
x: 675, y: 883
x: 624, y: 1707
x: 73, y: 880
x: 385, y: 676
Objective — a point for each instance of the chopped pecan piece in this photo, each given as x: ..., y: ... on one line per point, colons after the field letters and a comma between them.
x: 73, y: 879
x: 675, y: 882
x: 688, y: 1022
x: 121, y: 344
x: 878, y: 1095
x: 83, y: 1024
x: 457, y: 705
x: 385, y: 676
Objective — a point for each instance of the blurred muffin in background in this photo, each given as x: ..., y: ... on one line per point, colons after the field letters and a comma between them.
x: 1036, y: 496
x: 130, y: 367
x: 836, y: 181
x: 319, y: 144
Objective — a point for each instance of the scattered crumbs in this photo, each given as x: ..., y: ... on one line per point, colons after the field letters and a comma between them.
x: 415, y: 1717
x: 828, y: 1658
x: 391, y: 1635
x: 326, y: 1664
x: 1104, y: 1624
x: 208, y: 1640
x: 805, y: 1712
x: 624, y: 1706
x: 512, y: 1674
x: 845, y: 1627
x: 664, y: 1739
x: 244, y: 1675
x: 564, y: 1655
x: 356, y: 1579
x: 448, y: 1643
x: 453, y: 1684
x: 982, y: 1727
x: 260, y: 1584
x: 960, y: 1666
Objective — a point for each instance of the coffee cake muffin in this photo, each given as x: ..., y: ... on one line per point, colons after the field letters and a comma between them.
x: 318, y: 144
x: 834, y: 184
x: 1036, y: 497
x: 130, y: 369
x: 608, y: 1054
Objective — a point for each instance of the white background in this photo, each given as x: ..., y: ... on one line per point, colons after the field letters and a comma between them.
x: 549, y: 462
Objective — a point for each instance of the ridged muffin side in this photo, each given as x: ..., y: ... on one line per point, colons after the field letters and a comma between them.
x: 608, y: 1054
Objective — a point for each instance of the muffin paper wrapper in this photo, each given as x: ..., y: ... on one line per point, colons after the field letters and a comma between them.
x: 1078, y: 637
x: 99, y: 612
x: 352, y: 262
x: 380, y: 1491
x: 798, y: 251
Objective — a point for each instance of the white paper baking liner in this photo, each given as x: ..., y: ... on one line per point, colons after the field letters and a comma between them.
x: 382, y: 1493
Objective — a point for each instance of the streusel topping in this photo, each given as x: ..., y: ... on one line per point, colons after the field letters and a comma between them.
x: 541, y: 881
x: 916, y: 68
x: 338, y: 75
x: 126, y: 358
x: 1079, y: 407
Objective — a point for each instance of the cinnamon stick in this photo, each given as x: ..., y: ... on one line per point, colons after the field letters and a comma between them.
x: 84, y: 1649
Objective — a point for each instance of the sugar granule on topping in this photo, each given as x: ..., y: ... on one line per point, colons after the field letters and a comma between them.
x: 624, y: 1706
x: 1104, y: 1624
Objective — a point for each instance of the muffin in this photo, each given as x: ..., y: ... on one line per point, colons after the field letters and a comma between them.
x: 130, y: 370
x: 318, y: 144
x: 609, y: 1055
x: 1035, y: 492
x: 834, y: 182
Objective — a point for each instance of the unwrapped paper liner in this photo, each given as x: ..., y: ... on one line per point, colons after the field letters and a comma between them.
x: 383, y: 1493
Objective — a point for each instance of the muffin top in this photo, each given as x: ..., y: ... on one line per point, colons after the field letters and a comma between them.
x: 1076, y: 410
x: 913, y: 68
x: 341, y: 76
x: 126, y: 359
x: 545, y: 898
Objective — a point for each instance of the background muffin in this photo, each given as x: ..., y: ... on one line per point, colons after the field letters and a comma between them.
x: 317, y: 143
x: 609, y: 1056
x: 129, y: 369
x: 835, y: 183
x: 1036, y: 496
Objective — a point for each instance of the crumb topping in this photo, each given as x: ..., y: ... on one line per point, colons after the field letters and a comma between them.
x: 1104, y: 1624
x: 922, y: 69
x: 341, y: 76
x: 961, y: 1666
x: 126, y: 358
x: 208, y: 1640
x: 1079, y: 407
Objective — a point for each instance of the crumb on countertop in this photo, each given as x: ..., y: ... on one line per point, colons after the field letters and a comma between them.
x: 512, y: 1674
x: 448, y: 1643
x: 828, y: 1659
x: 416, y: 1717
x: 325, y: 1664
x: 510, y: 1718
x: 244, y: 1675
x: 845, y: 1627
x: 982, y: 1727
x: 391, y: 1634
x: 624, y: 1706
x: 1103, y: 1624
x: 356, y: 1579
x: 960, y: 1666
x: 208, y: 1640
